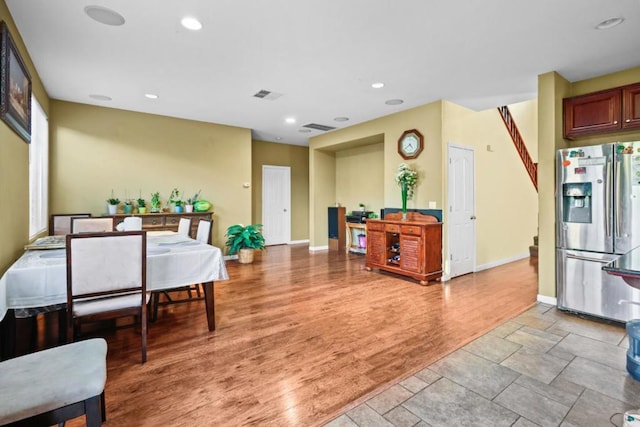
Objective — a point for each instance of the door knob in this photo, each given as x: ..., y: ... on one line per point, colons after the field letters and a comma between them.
x: 473, y: 217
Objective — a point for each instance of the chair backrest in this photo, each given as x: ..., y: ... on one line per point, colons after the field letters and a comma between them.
x: 91, y: 225
x: 132, y: 223
x: 100, y: 264
x: 204, y: 231
x: 184, y: 226
x: 60, y: 224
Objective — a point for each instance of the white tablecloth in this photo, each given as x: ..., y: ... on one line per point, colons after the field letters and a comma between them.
x: 39, y: 277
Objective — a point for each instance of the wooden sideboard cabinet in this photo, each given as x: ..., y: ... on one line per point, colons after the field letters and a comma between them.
x: 411, y: 247
x: 610, y: 110
x: 166, y: 220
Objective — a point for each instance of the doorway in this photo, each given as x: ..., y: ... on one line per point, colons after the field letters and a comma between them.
x: 462, y: 220
x: 276, y: 204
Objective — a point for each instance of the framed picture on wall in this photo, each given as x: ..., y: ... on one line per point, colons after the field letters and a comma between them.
x: 15, y: 87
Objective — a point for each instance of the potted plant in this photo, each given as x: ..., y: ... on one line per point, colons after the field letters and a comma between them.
x: 128, y: 206
x: 155, y: 202
x: 188, y: 207
x: 361, y: 207
x: 112, y: 204
x: 142, y: 205
x: 244, y: 240
x: 176, y: 200
x: 407, y: 179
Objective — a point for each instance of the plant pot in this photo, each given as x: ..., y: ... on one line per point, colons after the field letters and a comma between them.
x: 128, y: 209
x: 112, y: 209
x: 177, y: 209
x: 188, y: 208
x: 142, y: 209
x: 245, y: 256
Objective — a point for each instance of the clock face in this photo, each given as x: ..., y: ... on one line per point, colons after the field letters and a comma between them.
x: 410, y: 144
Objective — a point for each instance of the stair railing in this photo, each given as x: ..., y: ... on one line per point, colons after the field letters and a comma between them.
x: 518, y: 142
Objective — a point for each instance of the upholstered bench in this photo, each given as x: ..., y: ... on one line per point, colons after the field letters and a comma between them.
x: 54, y: 385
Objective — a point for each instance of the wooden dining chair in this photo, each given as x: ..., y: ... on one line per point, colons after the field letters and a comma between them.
x: 106, y: 279
x: 60, y: 224
x: 203, y: 233
x: 184, y: 226
x: 91, y: 225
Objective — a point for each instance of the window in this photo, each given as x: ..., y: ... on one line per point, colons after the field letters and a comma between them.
x: 38, y: 170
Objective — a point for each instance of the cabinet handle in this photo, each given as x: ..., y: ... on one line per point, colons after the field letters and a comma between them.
x: 628, y: 121
x: 615, y: 122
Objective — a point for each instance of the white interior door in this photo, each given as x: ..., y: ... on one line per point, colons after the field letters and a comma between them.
x: 462, y: 224
x: 276, y: 204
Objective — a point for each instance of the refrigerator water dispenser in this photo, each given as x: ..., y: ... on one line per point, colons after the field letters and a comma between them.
x: 576, y: 200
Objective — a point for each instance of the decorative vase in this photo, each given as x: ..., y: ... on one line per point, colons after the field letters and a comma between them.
x: 188, y: 208
x: 245, y: 256
x: 177, y: 209
x: 142, y: 209
x: 404, y: 201
x: 112, y: 209
x: 128, y: 209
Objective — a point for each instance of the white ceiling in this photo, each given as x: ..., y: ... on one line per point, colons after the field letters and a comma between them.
x: 321, y: 55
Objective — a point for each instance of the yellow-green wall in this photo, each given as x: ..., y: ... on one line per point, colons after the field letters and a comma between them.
x: 297, y: 158
x: 552, y: 88
x: 94, y: 150
x: 506, y: 201
x: 359, y: 179
x: 14, y: 166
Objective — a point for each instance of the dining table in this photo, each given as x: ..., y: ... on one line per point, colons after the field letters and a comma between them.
x: 38, y: 279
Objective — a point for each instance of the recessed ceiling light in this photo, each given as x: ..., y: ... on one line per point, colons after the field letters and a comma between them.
x: 100, y: 97
x: 377, y: 85
x: 290, y: 120
x: 191, y: 23
x: 394, y: 102
x: 304, y: 130
x: 151, y: 95
x: 278, y: 138
x: 609, y: 23
x: 341, y: 119
x: 104, y: 15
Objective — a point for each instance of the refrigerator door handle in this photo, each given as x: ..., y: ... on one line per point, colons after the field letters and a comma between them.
x: 584, y: 258
x: 617, y: 207
x: 607, y: 199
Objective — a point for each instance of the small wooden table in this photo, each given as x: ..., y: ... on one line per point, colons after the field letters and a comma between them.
x: 353, y: 245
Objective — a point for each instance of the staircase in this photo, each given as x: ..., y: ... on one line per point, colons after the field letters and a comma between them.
x: 530, y: 166
x: 521, y: 148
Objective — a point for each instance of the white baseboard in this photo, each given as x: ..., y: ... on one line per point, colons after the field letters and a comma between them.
x: 228, y: 257
x: 547, y: 300
x: 501, y: 262
x: 318, y: 248
x: 298, y: 242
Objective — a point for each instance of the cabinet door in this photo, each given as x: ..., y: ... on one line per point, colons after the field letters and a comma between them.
x: 593, y: 113
x: 411, y: 253
x: 376, y: 247
x: 631, y: 107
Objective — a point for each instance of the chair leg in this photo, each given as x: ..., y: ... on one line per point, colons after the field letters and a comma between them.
x: 103, y: 407
x: 93, y: 411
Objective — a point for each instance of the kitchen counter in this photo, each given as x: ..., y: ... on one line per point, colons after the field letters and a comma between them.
x: 627, y: 266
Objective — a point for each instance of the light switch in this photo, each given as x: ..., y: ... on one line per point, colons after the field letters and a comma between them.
x: 432, y: 204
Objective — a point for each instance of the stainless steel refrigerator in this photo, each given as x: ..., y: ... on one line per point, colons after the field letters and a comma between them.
x: 598, y: 219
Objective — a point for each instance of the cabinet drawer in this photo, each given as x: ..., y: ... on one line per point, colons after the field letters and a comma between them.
x: 152, y: 222
x: 171, y: 221
x: 392, y: 228
x: 375, y: 226
x: 410, y: 229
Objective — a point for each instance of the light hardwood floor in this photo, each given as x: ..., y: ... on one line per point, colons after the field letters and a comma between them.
x: 300, y: 337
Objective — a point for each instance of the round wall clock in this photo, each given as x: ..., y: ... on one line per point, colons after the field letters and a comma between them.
x: 410, y: 144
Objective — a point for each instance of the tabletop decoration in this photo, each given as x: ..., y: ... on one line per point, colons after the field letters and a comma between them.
x: 112, y: 204
x: 407, y: 179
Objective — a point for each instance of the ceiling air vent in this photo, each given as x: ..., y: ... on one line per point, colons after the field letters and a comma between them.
x: 267, y: 94
x: 318, y: 127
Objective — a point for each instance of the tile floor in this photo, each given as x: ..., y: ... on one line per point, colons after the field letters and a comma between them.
x: 543, y: 368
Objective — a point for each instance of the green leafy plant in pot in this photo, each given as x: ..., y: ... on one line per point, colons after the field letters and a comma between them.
x: 244, y: 240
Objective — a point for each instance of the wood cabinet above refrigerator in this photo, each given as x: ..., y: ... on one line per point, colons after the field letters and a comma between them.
x: 610, y: 110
